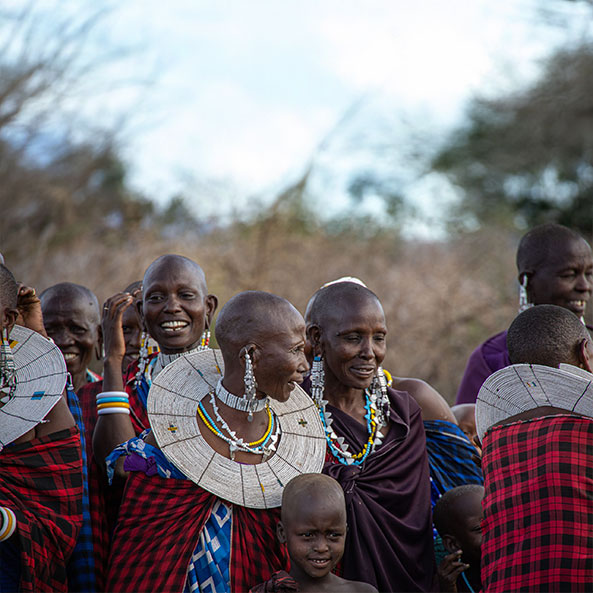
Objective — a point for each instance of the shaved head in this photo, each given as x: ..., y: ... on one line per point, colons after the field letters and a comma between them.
x: 76, y: 293
x: 451, y: 507
x: 548, y: 335
x: 304, y: 490
x: 171, y: 261
x: 540, y: 243
x: 251, y: 316
x: 328, y: 301
x: 8, y: 288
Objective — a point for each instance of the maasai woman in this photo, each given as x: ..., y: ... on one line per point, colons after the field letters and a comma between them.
x: 376, y: 447
x: 176, y: 309
x: 200, y: 510
x: 555, y: 266
x: 40, y: 454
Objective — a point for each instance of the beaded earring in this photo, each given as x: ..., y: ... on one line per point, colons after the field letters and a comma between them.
x: 205, y: 339
x: 524, y: 303
x: 317, y: 380
x: 143, y: 356
x: 250, y: 385
x: 7, y: 370
x: 379, y: 396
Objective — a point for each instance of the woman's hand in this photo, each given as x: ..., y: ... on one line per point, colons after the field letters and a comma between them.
x: 29, y: 308
x: 111, y: 323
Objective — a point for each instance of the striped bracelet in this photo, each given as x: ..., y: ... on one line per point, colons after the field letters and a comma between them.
x: 113, y: 402
x: 8, y: 523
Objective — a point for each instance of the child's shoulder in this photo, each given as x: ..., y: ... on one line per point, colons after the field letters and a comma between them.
x: 355, y: 587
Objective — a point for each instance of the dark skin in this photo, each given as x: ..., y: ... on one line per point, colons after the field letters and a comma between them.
x: 278, y: 359
x: 466, y: 418
x: 432, y: 403
x: 70, y: 319
x: 464, y: 543
x: 29, y: 312
x: 564, y: 279
x: 352, y: 343
x: 174, y: 290
x: 313, y: 526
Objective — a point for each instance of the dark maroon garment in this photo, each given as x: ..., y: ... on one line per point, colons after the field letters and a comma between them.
x: 389, y: 542
x: 487, y: 358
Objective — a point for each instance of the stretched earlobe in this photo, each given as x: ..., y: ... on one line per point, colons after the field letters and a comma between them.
x: 585, y: 354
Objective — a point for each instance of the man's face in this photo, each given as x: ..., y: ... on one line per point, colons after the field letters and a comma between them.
x: 566, y: 278
x: 71, y: 322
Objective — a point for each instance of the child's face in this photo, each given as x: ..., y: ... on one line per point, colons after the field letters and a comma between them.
x: 470, y: 528
x: 314, y: 535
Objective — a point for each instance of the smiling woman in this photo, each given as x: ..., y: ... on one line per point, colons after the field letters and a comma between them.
x: 555, y: 266
x: 375, y: 442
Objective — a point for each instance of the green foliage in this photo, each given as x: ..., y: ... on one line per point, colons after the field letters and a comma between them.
x: 526, y: 158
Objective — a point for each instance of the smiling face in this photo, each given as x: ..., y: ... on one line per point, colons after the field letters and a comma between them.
x: 353, y: 341
x: 566, y: 277
x: 280, y: 362
x: 71, y: 321
x: 176, y: 308
x: 468, y: 515
x: 315, y: 532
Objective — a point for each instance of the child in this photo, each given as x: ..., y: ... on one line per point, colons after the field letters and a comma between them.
x: 313, y: 526
x: 458, y: 518
x: 465, y: 415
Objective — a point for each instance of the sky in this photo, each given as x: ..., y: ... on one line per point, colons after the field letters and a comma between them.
x: 227, y: 101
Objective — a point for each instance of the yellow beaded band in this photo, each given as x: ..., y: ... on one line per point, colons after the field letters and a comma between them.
x: 8, y: 523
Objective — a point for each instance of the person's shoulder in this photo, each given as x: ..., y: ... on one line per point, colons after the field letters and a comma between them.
x: 356, y: 587
x: 431, y: 402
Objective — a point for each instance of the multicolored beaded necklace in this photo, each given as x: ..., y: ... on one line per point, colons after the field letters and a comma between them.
x: 338, y: 448
x: 265, y: 446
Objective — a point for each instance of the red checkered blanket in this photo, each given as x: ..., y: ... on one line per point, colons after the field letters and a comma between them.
x: 538, y: 507
x: 158, y: 528
x: 41, y: 481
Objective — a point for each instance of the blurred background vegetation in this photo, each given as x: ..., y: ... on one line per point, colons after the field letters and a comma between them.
x: 520, y: 159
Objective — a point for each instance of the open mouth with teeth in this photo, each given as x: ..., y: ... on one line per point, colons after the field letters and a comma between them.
x: 68, y: 356
x: 319, y: 562
x: 173, y: 326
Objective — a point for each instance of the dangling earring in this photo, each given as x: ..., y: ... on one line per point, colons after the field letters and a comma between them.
x: 250, y: 385
x: 317, y: 380
x: 7, y: 370
x: 524, y: 303
x: 143, y: 356
x: 205, y: 339
x: 379, y: 396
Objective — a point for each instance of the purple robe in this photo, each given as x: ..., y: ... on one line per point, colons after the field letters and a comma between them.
x: 486, y: 359
x: 389, y: 542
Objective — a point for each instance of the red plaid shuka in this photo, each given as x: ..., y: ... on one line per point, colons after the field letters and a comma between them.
x: 157, y: 532
x: 41, y: 481
x: 105, y: 499
x: 538, y: 507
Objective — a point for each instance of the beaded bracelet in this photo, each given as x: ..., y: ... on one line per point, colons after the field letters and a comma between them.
x: 113, y: 402
x: 8, y: 523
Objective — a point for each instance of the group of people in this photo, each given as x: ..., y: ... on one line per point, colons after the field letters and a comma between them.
x: 286, y: 458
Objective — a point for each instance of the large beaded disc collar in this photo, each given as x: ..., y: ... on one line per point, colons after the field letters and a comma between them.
x: 40, y: 373
x: 172, y: 406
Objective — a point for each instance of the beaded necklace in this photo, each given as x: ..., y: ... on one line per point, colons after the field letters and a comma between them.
x: 338, y: 447
x: 239, y: 403
x: 265, y: 446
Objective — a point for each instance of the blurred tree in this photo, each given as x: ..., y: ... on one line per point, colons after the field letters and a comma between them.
x: 60, y: 178
x: 527, y: 158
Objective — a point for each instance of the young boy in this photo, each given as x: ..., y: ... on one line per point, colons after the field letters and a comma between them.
x: 313, y: 526
x: 458, y: 518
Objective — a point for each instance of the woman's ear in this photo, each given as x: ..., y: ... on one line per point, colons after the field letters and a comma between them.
x: 585, y: 354
x: 253, y: 351
x: 211, y: 303
x: 9, y: 317
x: 314, y: 337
